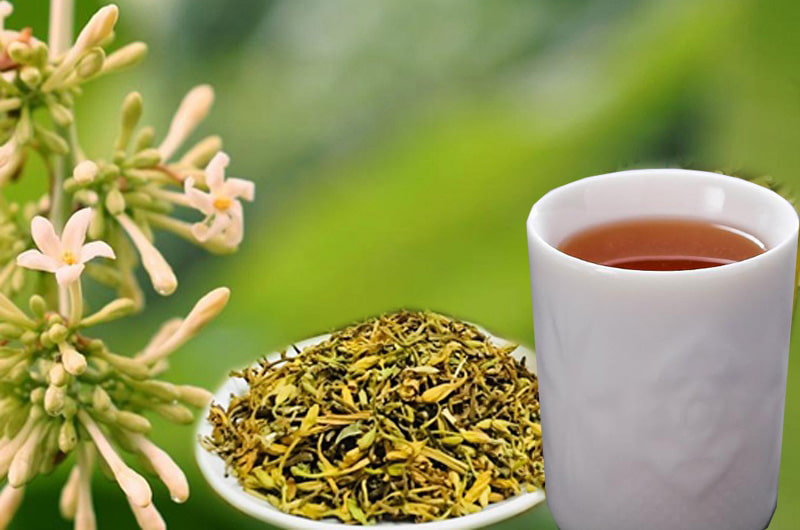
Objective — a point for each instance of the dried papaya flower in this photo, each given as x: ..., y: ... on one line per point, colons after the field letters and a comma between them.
x: 408, y: 416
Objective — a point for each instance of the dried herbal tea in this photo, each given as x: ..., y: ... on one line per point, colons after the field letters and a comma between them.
x: 410, y: 416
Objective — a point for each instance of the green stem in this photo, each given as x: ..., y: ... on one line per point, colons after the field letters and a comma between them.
x: 60, y: 199
x: 75, y: 302
x: 61, y: 15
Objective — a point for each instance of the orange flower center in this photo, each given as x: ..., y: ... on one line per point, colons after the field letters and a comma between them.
x: 222, y: 203
x: 69, y: 258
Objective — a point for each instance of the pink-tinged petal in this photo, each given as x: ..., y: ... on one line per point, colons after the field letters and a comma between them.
x: 44, y: 235
x: 219, y: 223
x: 234, y: 233
x: 74, y: 233
x: 67, y: 274
x: 200, y: 231
x: 215, y: 172
x: 198, y: 199
x: 235, y: 188
x: 96, y: 249
x: 33, y: 259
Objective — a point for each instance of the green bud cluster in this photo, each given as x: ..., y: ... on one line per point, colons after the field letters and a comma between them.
x: 50, y: 370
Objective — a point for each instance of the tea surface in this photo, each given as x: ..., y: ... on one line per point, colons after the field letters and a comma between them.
x: 662, y: 244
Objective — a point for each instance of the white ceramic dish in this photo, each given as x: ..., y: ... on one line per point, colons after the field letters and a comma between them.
x: 213, y: 469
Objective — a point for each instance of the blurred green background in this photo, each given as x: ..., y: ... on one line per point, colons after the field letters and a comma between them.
x: 398, y: 146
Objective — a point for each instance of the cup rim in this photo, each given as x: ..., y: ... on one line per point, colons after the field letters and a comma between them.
x: 781, y: 202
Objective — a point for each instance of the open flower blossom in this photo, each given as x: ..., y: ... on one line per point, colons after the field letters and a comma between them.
x: 65, y: 256
x: 220, y: 204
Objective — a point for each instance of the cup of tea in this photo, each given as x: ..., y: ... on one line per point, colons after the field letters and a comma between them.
x: 662, y: 307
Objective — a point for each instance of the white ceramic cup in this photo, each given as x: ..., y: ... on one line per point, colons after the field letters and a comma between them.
x: 662, y: 392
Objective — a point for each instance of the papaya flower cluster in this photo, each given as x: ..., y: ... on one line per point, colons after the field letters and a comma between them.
x: 138, y: 189
x: 36, y: 77
x: 67, y: 398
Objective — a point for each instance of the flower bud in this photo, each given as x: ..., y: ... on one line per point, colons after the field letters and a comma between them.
x: 144, y: 138
x: 60, y: 114
x: 67, y: 437
x: 70, y: 408
x: 8, y: 104
x: 11, y: 313
x: 133, y: 368
x: 158, y: 389
x: 57, y: 333
x: 132, y: 422
x: 174, y: 413
x: 115, y: 202
x: 37, y: 395
x: 206, y: 309
x: 30, y: 75
x: 58, y: 375
x: 161, y: 274
x: 91, y: 63
x: 131, y: 113
x: 202, y: 152
x: 37, y: 305
x: 74, y: 362
x: 99, y: 27
x: 128, y: 55
x: 194, y: 395
x: 134, y: 486
x: 51, y: 141
x: 19, y: 52
x: 101, y: 401
x: 22, y: 468
x: 10, y: 331
x: 192, y: 110
x: 85, y: 172
x: 68, y: 501
x: 54, y: 400
x: 10, y: 499
x: 146, y: 158
x: 113, y: 310
x: 148, y: 517
x: 167, y: 470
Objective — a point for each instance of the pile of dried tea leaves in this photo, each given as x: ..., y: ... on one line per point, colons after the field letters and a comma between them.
x: 410, y: 416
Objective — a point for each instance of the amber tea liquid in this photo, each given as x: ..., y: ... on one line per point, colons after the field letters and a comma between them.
x: 662, y: 244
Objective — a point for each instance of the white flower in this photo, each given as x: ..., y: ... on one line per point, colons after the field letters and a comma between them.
x: 64, y: 256
x: 220, y: 205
